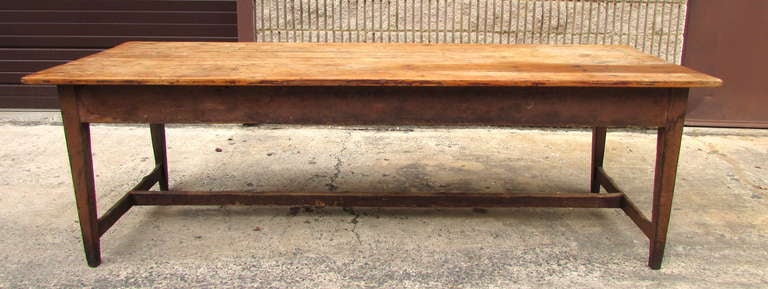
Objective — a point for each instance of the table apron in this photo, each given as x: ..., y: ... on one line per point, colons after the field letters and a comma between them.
x: 494, y: 106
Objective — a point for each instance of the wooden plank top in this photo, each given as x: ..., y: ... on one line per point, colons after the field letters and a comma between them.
x: 366, y: 64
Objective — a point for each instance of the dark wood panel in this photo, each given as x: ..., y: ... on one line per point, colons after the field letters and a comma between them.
x: 92, y: 41
x: 17, y: 62
x: 40, y: 102
x: 47, y: 16
x: 27, y: 65
x: 111, y: 29
x: 518, y: 106
x: 37, y: 34
x: 28, y: 96
x: 44, y: 53
x: 155, y: 5
x: 11, y: 77
x: 27, y: 90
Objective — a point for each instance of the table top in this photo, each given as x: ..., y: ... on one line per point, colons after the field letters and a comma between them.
x: 368, y: 64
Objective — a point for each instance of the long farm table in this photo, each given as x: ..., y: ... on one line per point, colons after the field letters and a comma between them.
x: 158, y: 83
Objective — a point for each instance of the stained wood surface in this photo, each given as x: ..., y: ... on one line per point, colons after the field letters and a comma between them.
x: 365, y: 64
x: 365, y: 199
x: 362, y: 105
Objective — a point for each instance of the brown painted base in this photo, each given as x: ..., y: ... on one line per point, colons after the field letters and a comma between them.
x: 598, y: 108
x: 140, y: 196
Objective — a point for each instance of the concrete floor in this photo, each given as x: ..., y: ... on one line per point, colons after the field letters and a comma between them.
x: 718, y: 237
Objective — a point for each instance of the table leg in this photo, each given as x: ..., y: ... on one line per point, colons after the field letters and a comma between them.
x: 79, y: 147
x: 158, y: 147
x: 598, y: 153
x: 667, y: 153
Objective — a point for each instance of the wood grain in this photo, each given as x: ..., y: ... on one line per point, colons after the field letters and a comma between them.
x: 365, y: 64
x: 367, y: 199
x: 78, y: 138
x: 354, y: 105
x: 668, y: 145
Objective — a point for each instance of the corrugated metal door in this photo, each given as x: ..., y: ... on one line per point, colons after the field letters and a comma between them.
x: 729, y: 39
x: 36, y: 34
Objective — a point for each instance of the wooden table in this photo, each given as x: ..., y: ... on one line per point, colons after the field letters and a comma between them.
x: 365, y: 84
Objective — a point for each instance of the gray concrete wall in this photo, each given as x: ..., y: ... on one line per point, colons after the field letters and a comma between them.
x: 653, y: 26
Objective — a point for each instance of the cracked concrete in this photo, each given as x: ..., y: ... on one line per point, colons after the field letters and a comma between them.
x: 354, y: 222
x: 331, y: 185
x: 717, y: 237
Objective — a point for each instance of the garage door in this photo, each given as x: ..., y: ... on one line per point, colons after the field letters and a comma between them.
x: 36, y: 34
x: 729, y: 39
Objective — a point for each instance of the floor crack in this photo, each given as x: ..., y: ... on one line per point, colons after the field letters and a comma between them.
x: 354, y: 229
x: 742, y: 176
x: 354, y: 222
x: 331, y: 185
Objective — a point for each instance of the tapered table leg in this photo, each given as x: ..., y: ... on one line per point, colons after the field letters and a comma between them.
x: 598, y: 153
x: 158, y: 147
x: 667, y: 153
x: 79, y: 147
